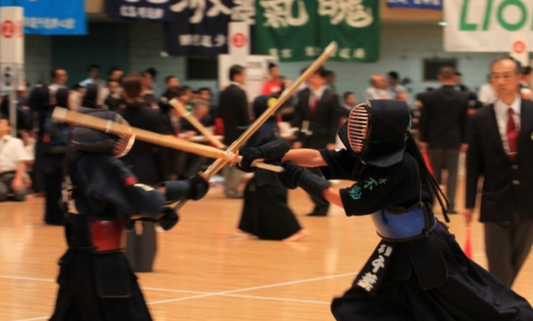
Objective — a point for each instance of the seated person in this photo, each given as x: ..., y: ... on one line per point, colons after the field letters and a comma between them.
x: 12, y: 164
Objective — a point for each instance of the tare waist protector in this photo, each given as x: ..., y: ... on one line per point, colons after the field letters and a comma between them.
x: 399, y: 225
x: 107, y: 235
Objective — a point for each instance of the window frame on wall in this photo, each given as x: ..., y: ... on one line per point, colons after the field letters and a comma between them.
x: 429, y: 73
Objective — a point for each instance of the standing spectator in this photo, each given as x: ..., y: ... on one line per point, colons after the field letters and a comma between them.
x: 501, y: 149
x: 442, y: 130
x: 189, y: 163
x: 59, y: 79
x: 171, y: 83
x: 55, y: 140
x: 233, y: 109
x: 151, y: 73
x: 316, y: 116
x: 94, y: 77
x: 330, y: 79
x: 115, y: 74
x: 114, y: 99
x: 147, y: 162
x: 395, y: 90
x: 349, y: 102
x: 24, y: 117
x: 377, y: 89
x: 12, y: 164
x: 486, y: 94
x: 274, y: 83
x: 205, y: 94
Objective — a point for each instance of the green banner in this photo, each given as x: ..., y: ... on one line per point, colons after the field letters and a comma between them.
x: 298, y: 30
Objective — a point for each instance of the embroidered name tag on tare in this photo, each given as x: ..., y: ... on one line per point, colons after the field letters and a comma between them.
x: 375, y: 268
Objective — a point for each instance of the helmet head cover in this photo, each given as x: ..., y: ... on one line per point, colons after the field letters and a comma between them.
x: 94, y: 141
x: 376, y: 131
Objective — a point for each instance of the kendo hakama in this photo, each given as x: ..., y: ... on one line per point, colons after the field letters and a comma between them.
x: 96, y: 283
x: 265, y: 212
x: 427, y: 278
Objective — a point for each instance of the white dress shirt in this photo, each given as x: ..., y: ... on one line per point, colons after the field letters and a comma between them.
x: 11, y: 153
x: 502, y: 116
x: 316, y: 94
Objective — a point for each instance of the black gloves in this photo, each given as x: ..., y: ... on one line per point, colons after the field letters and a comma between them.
x: 169, y: 219
x: 193, y: 188
x: 272, y: 152
x: 199, y: 187
x: 294, y: 176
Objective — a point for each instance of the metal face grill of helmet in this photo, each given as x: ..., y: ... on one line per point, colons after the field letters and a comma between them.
x: 358, y: 128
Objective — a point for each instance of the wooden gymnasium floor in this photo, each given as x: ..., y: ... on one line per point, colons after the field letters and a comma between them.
x: 205, y: 270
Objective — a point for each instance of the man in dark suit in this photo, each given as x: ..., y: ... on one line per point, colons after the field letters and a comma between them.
x: 317, y: 117
x: 443, y: 129
x: 501, y: 149
x: 233, y: 109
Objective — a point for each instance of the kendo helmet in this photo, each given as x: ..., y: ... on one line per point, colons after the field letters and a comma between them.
x: 376, y: 131
x: 94, y: 141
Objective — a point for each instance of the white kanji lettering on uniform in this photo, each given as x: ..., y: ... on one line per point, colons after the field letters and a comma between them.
x: 367, y: 281
x: 382, y: 248
x: 353, y: 12
x: 278, y: 13
x: 388, y: 252
x: 244, y: 10
x: 378, y: 263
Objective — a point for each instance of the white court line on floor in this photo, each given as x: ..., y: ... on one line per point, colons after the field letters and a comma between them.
x: 254, y: 288
x: 208, y: 294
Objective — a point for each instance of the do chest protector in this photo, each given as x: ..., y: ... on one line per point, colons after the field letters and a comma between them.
x: 400, y: 224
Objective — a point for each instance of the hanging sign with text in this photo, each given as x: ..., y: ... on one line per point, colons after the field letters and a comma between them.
x: 487, y: 26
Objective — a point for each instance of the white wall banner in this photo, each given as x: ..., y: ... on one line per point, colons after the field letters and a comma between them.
x: 487, y: 25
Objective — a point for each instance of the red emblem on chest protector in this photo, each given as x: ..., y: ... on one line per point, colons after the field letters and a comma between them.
x: 130, y: 181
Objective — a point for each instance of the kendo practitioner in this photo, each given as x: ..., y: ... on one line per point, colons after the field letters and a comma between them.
x: 265, y: 213
x: 418, y: 271
x: 148, y: 163
x: 95, y: 280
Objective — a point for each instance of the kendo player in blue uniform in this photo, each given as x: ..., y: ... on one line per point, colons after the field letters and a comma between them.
x: 95, y: 280
x: 418, y: 271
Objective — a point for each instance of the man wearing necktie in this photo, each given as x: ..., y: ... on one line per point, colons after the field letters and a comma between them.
x: 501, y: 149
x: 317, y: 117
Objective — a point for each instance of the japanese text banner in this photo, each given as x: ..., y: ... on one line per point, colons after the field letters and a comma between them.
x: 298, y: 30
x: 140, y: 10
x: 198, y: 27
x: 52, y: 17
